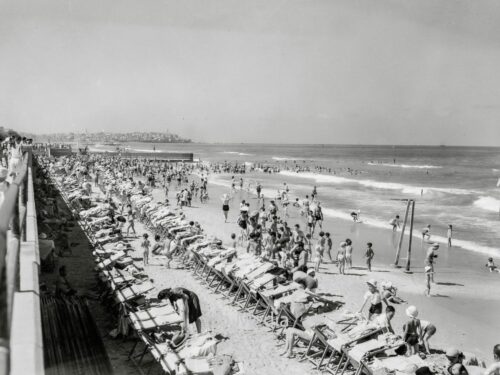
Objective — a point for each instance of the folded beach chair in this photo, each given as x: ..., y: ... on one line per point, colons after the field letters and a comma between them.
x: 133, y: 291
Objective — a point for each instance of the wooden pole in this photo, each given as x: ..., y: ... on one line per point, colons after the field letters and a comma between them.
x: 408, y: 259
x: 402, y: 235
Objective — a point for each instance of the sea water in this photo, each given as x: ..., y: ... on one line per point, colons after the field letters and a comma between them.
x: 451, y: 185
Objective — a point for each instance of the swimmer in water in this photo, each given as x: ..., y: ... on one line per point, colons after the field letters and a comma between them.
x: 355, y: 216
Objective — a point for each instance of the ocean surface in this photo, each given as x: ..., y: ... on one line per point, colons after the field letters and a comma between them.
x: 451, y: 185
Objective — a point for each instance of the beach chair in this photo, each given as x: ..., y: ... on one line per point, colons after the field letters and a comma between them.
x: 269, y: 297
x: 320, y: 338
x: 341, y: 344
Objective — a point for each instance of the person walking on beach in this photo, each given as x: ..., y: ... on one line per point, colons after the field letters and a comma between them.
x: 145, y: 244
x: 341, y: 258
x: 449, y: 234
x: 225, y: 206
x: 429, y: 258
x: 395, y: 223
x: 318, y: 216
x: 369, y: 254
x: 258, y: 189
x: 318, y: 255
x: 130, y: 220
x: 428, y: 278
x: 329, y: 246
x: 314, y: 193
x: 348, y: 253
x: 426, y: 233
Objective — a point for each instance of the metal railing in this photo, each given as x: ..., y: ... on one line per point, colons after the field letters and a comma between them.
x: 17, y: 235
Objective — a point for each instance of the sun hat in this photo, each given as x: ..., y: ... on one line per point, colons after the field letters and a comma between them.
x: 343, y: 244
x: 387, y: 285
x: 311, y: 271
x: 435, y: 245
x: 43, y: 236
x: 453, y: 353
x: 372, y: 282
x: 412, y: 311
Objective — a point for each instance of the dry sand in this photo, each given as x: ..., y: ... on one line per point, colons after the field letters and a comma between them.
x: 464, y: 305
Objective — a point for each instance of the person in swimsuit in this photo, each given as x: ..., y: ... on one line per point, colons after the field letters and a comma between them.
x: 428, y: 330
x: 412, y: 330
x: 375, y: 299
x: 341, y: 258
x: 348, y: 252
x: 188, y: 302
x: 225, y: 206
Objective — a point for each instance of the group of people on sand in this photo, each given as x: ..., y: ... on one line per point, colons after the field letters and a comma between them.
x: 266, y: 232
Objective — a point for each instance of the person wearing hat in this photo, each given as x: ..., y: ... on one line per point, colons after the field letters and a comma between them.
x: 412, y: 330
x: 373, y: 297
x: 429, y: 258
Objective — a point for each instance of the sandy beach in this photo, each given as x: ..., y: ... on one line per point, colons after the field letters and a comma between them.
x: 463, y: 306
x: 465, y: 300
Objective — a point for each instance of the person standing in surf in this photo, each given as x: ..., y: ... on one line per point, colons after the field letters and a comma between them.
x: 449, y: 234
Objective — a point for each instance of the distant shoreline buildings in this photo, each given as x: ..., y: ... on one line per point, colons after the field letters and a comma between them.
x: 107, y: 137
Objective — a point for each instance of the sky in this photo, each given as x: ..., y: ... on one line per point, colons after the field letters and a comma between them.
x: 292, y: 71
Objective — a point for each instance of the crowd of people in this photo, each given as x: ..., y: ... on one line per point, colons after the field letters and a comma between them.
x: 264, y: 232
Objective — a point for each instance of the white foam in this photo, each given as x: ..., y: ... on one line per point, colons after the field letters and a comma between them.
x: 468, y: 245
x: 488, y: 204
x: 406, y: 165
x: 236, y: 153
x: 283, y: 158
x: 383, y: 224
x: 406, y: 189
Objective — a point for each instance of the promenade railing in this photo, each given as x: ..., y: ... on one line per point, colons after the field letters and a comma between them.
x: 21, y: 348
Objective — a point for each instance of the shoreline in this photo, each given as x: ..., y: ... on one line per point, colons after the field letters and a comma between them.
x: 457, y: 283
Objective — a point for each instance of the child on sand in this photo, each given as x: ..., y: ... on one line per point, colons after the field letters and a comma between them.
x: 426, y: 233
x: 395, y: 223
x: 428, y: 330
x: 369, y: 254
x: 145, y: 244
x: 412, y: 331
